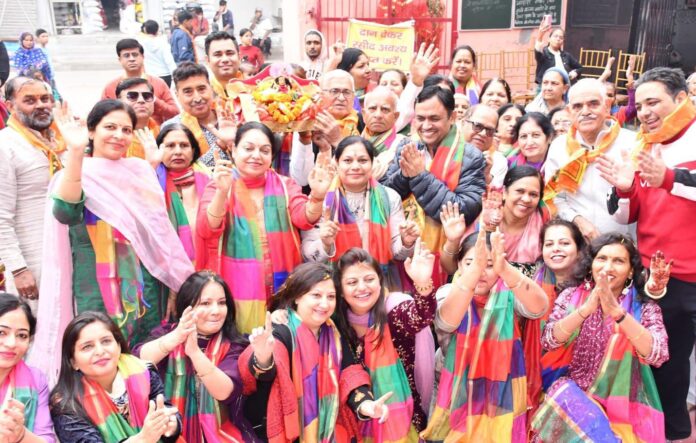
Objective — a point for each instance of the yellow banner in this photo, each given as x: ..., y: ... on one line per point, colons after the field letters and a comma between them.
x: 388, y: 47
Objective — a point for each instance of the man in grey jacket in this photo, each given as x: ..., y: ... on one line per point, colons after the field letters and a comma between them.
x: 439, y: 168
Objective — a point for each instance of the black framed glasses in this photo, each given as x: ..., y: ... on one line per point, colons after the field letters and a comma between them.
x: 478, y: 127
x: 132, y: 96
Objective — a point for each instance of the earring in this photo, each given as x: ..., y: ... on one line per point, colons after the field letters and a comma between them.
x: 588, y: 283
x: 627, y: 285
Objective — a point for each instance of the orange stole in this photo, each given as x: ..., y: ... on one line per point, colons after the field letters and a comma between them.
x: 136, y: 149
x: 673, y: 124
x: 51, y: 152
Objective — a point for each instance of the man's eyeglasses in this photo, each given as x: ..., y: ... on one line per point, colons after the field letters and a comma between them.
x: 132, y: 96
x: 478, y: 127
x: 335, y: 92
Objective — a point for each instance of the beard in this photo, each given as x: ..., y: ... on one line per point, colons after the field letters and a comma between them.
x: 35, y: 120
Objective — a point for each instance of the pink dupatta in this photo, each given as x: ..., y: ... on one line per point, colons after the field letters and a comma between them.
x: 524, y: 248
x: 126, y: 194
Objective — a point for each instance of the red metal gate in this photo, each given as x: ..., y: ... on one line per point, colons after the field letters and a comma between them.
x: 435, y: 20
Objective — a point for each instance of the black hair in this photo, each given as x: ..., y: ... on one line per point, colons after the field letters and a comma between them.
x: 351, y: 140
x: 445, y: 97
x: 507, y: 106
x: 469, y: 242
x: 101, y: 110
x: 10, y: 302
x: 183, y: 15
x: 179, y: 127
x: 439, y: 80
x: 465, y: 48
x: 248, y: 126
x: 575, y: 232
x: 523, y: 171
x: 671, y: 78
x: 41, y: 31
x: 132, y: 82
x: 190, y: 294
x: 556, y: 110
x: 150, y: 27
x: 402, y: 76
x: 216, y: 36
x: 129, y: 43
x: 223, y: 2
x: 502, y: 81
x: 540, y: 119
x: 68, y: 394
x: 187, y: 70
x: 299, y: 282
x: 378, y: 312
x: 244, y: 31
x: 583, y: 268
x: 349, y: 59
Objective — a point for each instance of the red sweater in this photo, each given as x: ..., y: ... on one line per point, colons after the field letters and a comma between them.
x: 666, y: 215
x: 252, y: 53
x: 165, y: 105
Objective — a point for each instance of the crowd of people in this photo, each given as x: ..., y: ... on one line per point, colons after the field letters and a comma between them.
x: 431, y: 261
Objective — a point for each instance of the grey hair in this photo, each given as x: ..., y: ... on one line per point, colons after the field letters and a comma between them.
x: 672, y: 79
x: 336, y: 73
x: 13, y: 86
x: 592, y: 84
x: 383, y: 90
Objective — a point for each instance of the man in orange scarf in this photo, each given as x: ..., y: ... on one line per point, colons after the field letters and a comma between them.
x: 574, y: 185
x: 138, y: 93
x: 656, y: 189
x: 30, y: 147
x: 223, y: 58
x: 336, y: 122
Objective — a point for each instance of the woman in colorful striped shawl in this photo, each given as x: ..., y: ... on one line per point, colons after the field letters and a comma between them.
x: 463, y: 73
x: 248, y: 208
x: 23, y: 389
x: 533, y: 135
x: 482, y: 393
x: 108, y: 243
x: 599, y: 386
x: 389, y: 333
x: 305, y: 382
x: 561, y: 246
x: 197, y: 358
x: 359, y: 212
x: 104, y: 394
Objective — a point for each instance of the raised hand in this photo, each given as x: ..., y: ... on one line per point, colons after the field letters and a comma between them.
x: 191, y: 344
x: 619, y: 174
x: 226, y: 130
x: 412, y: 161
x: 280, y: 316
x: 629, y: 71
x: 652, y: 168
x: 660, y: 271
x: 610, y: 305
x: 498, y: 254
x: 156, y: 421
x: 326, y: 124
x: 74, y: 131
x: 222, y: 173
x: 153, y: 154
x: 321, y: 176
x: 423, y: 63
x: 262, y: 341
x: 590, y: 305
x: 376, y: 408
x: 185, y: 327
x: 453, y: 223
x: 492, y: 213
x: 26, y: 285
x: 328, y: 230
x: 409, y: 232
x: 420, y: 266
x: 12, y: 427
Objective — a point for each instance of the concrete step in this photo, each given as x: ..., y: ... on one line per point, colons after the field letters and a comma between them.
x: 86, y: 52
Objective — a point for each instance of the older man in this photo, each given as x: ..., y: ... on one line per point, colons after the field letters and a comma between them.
x: 131, y: 56
x: 337, y: 121
x: 196, y: 97
x: 660, y: 196
x: 574, y: 184
x: 380, y: 114
x: 478, y: 127
x: 439, y: 168
x: 223, y: 58
x: 138, y: 93
x: 30, y: 149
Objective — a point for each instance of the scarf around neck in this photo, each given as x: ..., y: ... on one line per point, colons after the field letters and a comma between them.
x: 20, y: 385
x: 192, y: 123
x: 51, y: 152
x: 569, y: 177
x: 673, y: 125
x: 204, y: 419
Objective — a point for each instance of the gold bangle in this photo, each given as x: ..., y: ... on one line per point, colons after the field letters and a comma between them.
x: 424, y: 290
x: 560, y: 326
x: 444, y: 249
x: 213, y: 215
x: 642, y: 331
x: 463, y: 288
x: 579, y: 311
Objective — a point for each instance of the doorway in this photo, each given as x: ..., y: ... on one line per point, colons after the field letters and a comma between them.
x: 112, y: 14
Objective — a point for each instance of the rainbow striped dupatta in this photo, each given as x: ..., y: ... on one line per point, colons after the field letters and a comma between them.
x: 102, y: 411
x: 482, y: 393
x: 377, y: 238
x: 316, y: 370
x: 242, y: 262
x: 20, y: 385
x: 532, y: 331
x: 175, y: 204
x: 387, y: 374
x: 204, y: 420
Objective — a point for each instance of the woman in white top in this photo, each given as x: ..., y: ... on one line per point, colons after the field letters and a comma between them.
x: 158, y: 55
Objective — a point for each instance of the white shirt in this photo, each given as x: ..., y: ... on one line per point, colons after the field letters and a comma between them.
x: 158, y: 55
x: 260, y: 30
x: 590, y: 201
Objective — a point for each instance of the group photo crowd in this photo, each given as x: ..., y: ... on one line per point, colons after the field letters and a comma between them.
x: 229, y: 250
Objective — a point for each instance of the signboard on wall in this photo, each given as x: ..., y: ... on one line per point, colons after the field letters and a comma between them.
x: 503, y: 14
x: 388, y: 47
x: 529, y: 13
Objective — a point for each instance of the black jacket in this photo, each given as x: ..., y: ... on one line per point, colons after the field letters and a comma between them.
x: 4, y: 64
x: 546, y: 60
